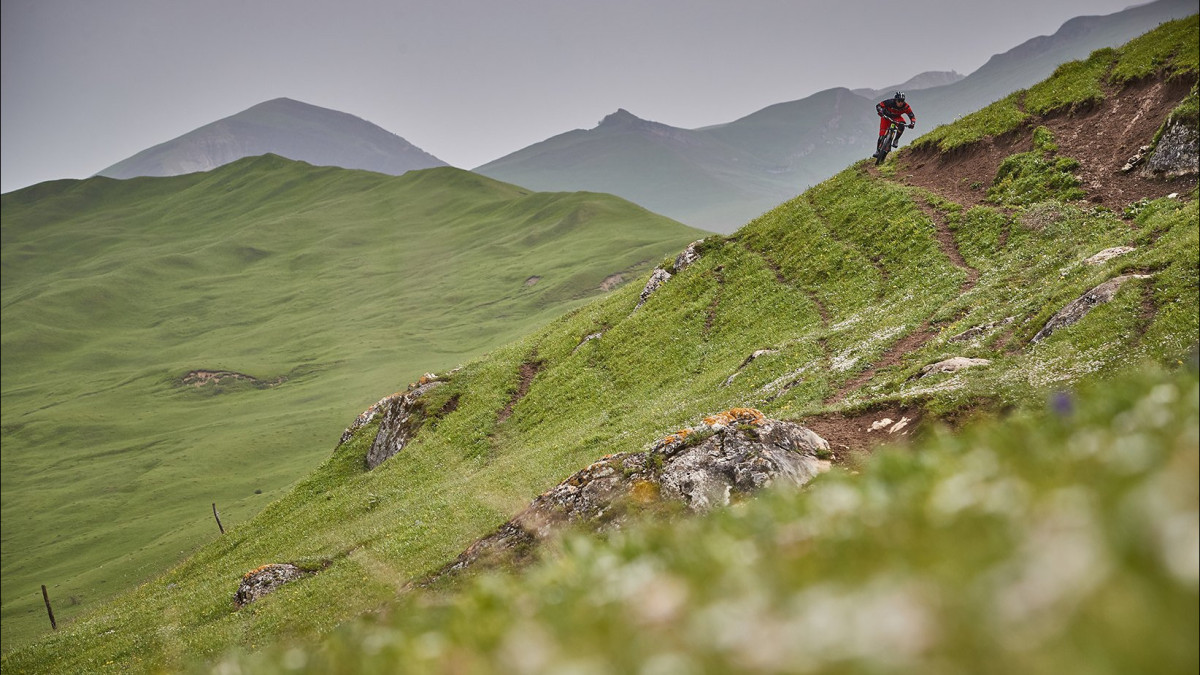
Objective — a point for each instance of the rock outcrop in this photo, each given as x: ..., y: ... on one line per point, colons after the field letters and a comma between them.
x: 657, y: 279
x: 661, y: 276
x: 952, y: 365
x: 980, y: 330
x: 1084, y: 304
x: 747, y: 361
x: 1108, y: 254
x: 728, y: 455
x: 1177, y: 152
x: 403, y: 414
x: 266, y: 579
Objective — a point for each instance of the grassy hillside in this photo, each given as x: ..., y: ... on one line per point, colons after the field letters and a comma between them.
x: 1060, y: 541
x: 1025, y: 545
x: 329, y: 287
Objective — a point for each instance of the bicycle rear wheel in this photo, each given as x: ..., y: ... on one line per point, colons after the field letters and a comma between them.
x: 885, y: 146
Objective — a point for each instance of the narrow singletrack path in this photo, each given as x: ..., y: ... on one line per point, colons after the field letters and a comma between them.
x: 949, y: 246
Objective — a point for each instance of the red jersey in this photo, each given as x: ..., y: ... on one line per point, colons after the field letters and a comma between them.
x: 893, y: 109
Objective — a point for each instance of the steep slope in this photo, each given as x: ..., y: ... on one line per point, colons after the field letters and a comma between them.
x: 1034, y: 60
x: 719, y: 177
x: 283, y: 127
x: 173, y: 342
x: 861, y: 299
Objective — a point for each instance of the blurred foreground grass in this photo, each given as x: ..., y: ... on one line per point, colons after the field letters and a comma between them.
x: 1064, y: 538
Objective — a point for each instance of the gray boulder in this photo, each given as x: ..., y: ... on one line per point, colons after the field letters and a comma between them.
x: 403, y: 414
x: 263, y: 580
x: 1177, y: 152
x: 657, y: 279
x: 952, y: 365
x: 1084, y: 304
x: 1108, y: 254
x: 688, y: 255
x: 661, y: 276
x: 727, y: 455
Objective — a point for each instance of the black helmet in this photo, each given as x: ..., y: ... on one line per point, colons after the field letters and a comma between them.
x: 899, y: 96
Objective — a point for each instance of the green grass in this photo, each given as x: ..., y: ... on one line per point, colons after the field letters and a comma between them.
x: 1061, y: 540
x: 1030, y: 177
x: 1073, y: 85
x: 348, y: 284
x: 659, y: 368
x: 830, y: 281
x: 1169, y: 50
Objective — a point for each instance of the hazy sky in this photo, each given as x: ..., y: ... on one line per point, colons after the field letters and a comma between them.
x: 87, y: 83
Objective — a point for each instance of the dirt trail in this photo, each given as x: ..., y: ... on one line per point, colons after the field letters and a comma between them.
x: 852, y: 432
x: 529, y: 370
x: 909, y: 343
x: 949, y: 246
x: 1102, y: 138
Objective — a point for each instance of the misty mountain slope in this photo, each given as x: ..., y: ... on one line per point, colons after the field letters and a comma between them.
x: 832, y: 310
x: 672, y: 169
x: 173, y: 342
x: 715, y: 177
x: 926, y: 80
x: 1035, y: 59
x: 284, y: 127
x: 721, y: 176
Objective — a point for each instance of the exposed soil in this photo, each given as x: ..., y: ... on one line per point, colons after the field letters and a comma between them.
x: 529, y: 370
x: 1102, y: 138
x: 849, y: 433
x: 949, y: 246
x: 200, y: 378
x: 612, y: 281
x: 449, y: 406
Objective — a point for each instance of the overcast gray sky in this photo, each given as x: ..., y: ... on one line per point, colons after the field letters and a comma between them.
x: 87, y: 83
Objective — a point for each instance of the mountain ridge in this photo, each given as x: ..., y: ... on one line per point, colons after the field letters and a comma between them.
x: 747, y: 170
x: 282, y: 126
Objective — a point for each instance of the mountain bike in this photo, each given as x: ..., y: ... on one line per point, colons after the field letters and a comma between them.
x: 884, y: 146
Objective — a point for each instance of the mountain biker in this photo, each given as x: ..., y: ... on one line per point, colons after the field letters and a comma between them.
x: 891, y: 110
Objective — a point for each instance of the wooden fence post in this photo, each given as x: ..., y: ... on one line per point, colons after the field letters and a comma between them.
x: 218, y: 518
x: 46, y: 597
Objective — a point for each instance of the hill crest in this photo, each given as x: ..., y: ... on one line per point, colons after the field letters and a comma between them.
x: 288, y: 128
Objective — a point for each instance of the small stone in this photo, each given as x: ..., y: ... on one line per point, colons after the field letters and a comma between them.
x: 952, y: 365
x: 976, y: 331
x: 879, y: 424
x: 1108, y: 254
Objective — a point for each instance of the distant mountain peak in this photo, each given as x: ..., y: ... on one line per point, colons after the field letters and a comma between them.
x: 926, y: 80
x: 285, y: 127
x: 621, y: 118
